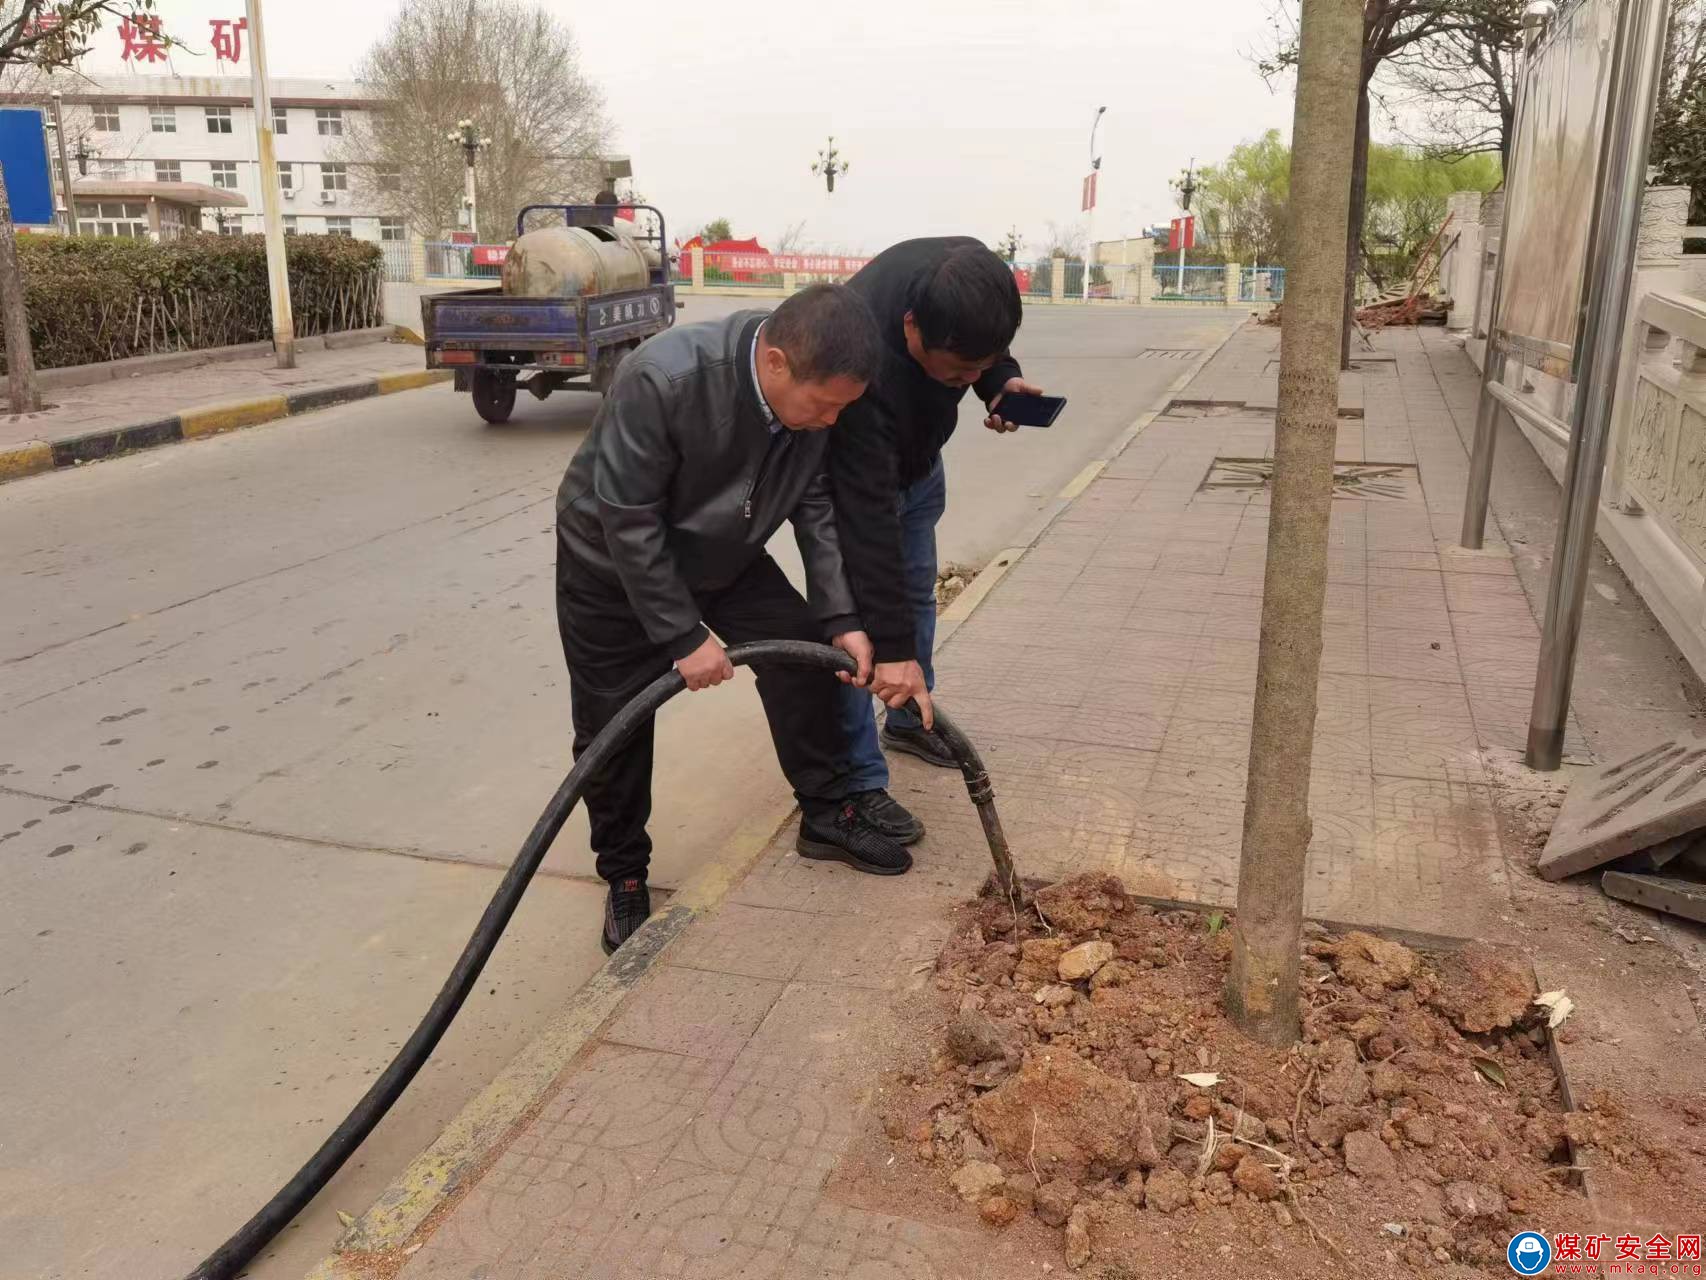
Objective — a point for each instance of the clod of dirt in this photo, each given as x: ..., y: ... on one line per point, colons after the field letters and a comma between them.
x: 1039, y: 959
x: 1078, y: 1237
x: 1367, y: 1157
x: 1480, y: 991
x: 1329, y: 1128
x: 1054, y: 1201
x: 1083, y: 904
x: 1255, y: 1179
x: 973, y: 1038
x: 1368, y: 963
x: 1343, y: 1079
x: 1167, y: 1190
x: 1062, y: 1116
x: 998, y: 1211
x: 1470, y: 1200
x: 1084, y: 960
x: 1056, y: 995
x: 977, y: 1181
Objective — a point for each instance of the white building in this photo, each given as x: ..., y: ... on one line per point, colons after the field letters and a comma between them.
x: 201, y: 130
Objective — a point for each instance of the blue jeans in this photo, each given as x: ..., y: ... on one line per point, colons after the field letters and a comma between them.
x: 921, y: 505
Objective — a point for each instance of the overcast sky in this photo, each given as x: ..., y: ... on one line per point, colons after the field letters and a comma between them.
x: 956, y: 115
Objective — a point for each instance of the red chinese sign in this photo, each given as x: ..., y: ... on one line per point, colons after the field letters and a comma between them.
x: 142, y: 39
x: 490, y: 255
x: 1182, y: 234
x: 228, y: 37
x: 793, y: 263
x: 1088, y: 201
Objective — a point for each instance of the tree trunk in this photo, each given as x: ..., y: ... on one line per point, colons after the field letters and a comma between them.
x: 20, y: 359
x: 1353, y: 232
x: 1261, y: 989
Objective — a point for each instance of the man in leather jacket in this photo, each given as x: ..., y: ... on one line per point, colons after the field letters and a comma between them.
x: 710, y: 438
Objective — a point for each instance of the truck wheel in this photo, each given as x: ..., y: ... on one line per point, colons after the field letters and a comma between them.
x: 494, y: 396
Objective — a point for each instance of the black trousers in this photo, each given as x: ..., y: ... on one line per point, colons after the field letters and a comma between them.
x: 610, y: 659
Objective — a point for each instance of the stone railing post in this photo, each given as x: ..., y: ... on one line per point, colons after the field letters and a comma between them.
x: 1057, y: 279
x: 1234, y: 283
x: 696, y: 265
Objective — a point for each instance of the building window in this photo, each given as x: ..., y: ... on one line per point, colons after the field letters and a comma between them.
x: 168, y: 171
x: 225, y: 174
x: 329, y: 122
x: 113, y: 218
x: 110, y: 169
x: 290, y: 224
x: 390, y: 228
x: 280, y: 120
x: 334, y: 177
x: 163, y: 119
x: 388, y: 177
x: 286, y: 176
x: 105, y: 119
x: 218, y: 119
x: 338, y: 227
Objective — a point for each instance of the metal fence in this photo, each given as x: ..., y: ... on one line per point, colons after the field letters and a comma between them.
x: 732, y: 271
x: 396, y: 256
x: 456, y: 262
x: 1190, y: 284
x: 1262, y: 284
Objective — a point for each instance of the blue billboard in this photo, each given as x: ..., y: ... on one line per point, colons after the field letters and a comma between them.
x: 23, y: 156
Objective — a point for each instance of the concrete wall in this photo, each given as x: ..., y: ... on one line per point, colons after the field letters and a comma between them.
x: 403, y: 300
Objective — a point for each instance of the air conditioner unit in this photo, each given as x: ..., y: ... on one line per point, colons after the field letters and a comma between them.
x: 328, y: 197
x: 289, y: 193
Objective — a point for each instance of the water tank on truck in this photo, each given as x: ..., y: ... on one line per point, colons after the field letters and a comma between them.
x: 574, y: 262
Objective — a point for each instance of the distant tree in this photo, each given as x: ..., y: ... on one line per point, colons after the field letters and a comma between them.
x: 791, y: 239
x: 716, y: 229
x: 1242, y: 200
x: 1679, y: 127
x: 1407, y: 191
x: 509, y: 66
x: 1067, y: 242
x: 1461, y: 83
x: 44, y: 36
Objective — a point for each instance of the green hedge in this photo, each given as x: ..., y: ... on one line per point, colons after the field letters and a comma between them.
x: 103, y: 298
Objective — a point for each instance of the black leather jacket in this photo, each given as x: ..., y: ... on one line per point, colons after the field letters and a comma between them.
x: 681, y: 482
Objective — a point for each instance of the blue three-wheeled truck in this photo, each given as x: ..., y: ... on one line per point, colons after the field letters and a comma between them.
x: 576, y: 297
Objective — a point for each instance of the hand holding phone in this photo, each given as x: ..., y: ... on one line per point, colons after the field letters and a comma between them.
x: 1027, y: 409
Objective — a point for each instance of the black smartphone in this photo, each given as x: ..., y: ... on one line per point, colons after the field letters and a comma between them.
x: 1024, y: 410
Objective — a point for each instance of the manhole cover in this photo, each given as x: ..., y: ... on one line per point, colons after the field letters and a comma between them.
x: 1168, y: 353
x: 1630, y: 804
x: 1352, y: 481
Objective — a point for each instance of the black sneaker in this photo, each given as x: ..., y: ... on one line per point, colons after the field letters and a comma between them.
x: 926, y: 744
x: 625, y: 910
x: 887, y: 815
x: 844, y: 834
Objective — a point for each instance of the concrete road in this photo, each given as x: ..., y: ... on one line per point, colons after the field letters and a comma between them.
x: 274, y: 709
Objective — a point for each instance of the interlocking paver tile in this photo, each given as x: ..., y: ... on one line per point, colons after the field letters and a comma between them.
x: 692, y: 1011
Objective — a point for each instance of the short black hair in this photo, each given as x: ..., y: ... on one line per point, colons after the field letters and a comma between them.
x: 826, y: 331
x: 969, y: 304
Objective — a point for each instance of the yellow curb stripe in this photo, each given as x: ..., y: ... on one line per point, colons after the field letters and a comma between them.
x: 410, y: 336
x: 229, y: 417
x: 968, y: 600
x: 25, y: 459
x: 410, y: 379
x: 1081, y: 481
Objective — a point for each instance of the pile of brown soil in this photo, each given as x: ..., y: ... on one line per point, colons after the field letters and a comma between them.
x: 1417, y: 1124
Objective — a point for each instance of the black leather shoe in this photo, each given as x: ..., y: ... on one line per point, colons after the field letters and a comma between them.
x: 926, y: 744
x: 625, y: 910
x: 843, y: 834
x: 887, y: 815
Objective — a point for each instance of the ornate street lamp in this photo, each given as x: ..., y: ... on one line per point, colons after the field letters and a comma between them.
x: 829, y: 163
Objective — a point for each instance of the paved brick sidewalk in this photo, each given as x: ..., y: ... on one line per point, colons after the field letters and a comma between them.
x: 1108, y: 682
x: 144, y: 397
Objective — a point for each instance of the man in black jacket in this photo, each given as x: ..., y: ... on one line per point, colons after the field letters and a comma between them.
x: 947, y: 308
x: 710, y: 438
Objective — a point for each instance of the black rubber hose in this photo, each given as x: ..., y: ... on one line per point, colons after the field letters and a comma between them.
x: 232, y: 1256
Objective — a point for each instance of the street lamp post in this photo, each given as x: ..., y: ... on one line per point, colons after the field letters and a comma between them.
x: 1095, y: 170
x: 272, y: 209
x: 1187, y: 187
x: 466, y: 136
x: 64, y: 162
x: 829, y: 163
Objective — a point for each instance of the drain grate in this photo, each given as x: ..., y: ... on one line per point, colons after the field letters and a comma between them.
x: 1352, y: 481
x: 1168, y: 353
